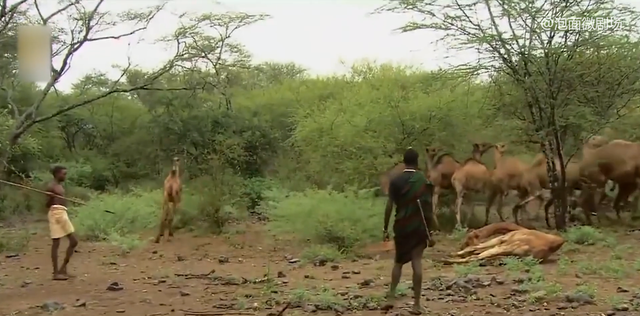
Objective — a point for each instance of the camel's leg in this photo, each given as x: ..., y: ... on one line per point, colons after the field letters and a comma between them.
x: 470, y: 209
x: 588, y: 204
x: 170, y: 217
x: 547, y: 206
x: 501, y: 250
x: 493, y: 194
x: 434, y: 204
x: 163, y: 221
x: 459, y: 198
x: 624, y: 191
x: 499, y: 206
x: 482, y: 246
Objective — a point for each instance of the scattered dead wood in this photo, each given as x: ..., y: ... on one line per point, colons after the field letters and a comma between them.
x: 187, y: 312
x: 205, y: 276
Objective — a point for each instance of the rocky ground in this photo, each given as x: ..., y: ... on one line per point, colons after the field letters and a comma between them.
x: 251, y: 274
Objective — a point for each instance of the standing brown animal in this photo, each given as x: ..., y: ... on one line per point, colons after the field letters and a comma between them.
x: 439, y: 171
x: 536, y: 177
x: 618, y: 161
x: 507, y: 175
x: 472, y: 176
x: 386, y: 177
x: 171, y: 200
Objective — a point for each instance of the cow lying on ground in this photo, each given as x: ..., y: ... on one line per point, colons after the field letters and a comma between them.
x: 474, y: 237
x: 520, y: 243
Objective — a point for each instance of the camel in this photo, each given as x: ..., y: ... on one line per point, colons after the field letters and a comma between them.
x: 520, y: 243
x: 618, y: 161
x: 506, y: 176
x: 439, y: 171
x: 386, y: 177
x: 171, y: 200
x: 472, y: 176
x: 474, y: 237
x: 536, y: 178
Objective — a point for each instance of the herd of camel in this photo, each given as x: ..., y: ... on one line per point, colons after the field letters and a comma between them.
x: 602, y: 160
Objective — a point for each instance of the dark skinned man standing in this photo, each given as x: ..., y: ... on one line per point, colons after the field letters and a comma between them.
x: 411, y: 192
x: 59, y: 224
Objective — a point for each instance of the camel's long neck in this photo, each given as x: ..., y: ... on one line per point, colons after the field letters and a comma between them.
x: 430, y: 162
x: 497, y: 157
x: 175, y: 171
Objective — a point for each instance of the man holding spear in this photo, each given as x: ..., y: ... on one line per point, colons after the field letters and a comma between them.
x: 59, y: 223
x: 411, y: 192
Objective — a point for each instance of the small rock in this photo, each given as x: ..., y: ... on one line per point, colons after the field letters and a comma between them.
x: 335, y: 267
x: 610, y: 313
x: 180, y: 258
x: 621, y: 308
x: 25, y: 283
x: 496, y: 280
x: 12, y: 255
x: 562, y: 306
x: 80, y: 303
x: 356, y: 272
x: 281, y: 274
x: 120, y: 311
x: 184, y: 293
x: 621, y: 290
x: 366, y: 282
x: 579, y: 298
x: 310, y: 308
x: 320, y: 261
x: 52, y: 306
x: 294, y: 260
x: 223, y: 259
x: 115, y: 286
x: 519, y: 290
x: 346, y: 276
x: 309, y: 276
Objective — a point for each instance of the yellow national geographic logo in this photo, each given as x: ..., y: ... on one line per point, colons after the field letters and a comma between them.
x: 34, y: 53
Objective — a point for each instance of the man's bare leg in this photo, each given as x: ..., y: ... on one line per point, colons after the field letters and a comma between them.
x: 55, y: 244
x: 416, y: 266
x: 396, y: 273
x: 73, y: 243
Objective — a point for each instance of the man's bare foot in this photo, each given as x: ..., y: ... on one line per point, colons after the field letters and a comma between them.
x: 60, y: 277
x: 417, y: 310
x: 389, y: 304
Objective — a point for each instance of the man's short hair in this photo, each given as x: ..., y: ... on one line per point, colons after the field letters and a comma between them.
x: 57, y: 168
x: 410, y: 157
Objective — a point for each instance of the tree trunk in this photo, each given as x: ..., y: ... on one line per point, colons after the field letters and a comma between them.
x: 558, y: 193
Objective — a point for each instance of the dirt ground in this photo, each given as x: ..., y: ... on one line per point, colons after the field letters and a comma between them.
x: 251, y: 274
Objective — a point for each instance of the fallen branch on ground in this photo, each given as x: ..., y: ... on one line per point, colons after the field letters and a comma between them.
x: 213, y: 313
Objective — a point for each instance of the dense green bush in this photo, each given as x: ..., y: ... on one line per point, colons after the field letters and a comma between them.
x: 340, y: 219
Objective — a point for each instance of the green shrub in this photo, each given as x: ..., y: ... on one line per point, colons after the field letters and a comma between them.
x: 214, y: 202
x: 134, y: 213
x: 343, y: 220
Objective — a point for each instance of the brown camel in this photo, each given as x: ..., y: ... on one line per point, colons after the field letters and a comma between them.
x: 618, y: 161
x: 507, y: 175
x: 474, y: 237
x: 439, y: 171
x: 536, y: 178
x: 171, y: 200
x: 520, y: 243
x: 386, y: 177
x: 472, y: 176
